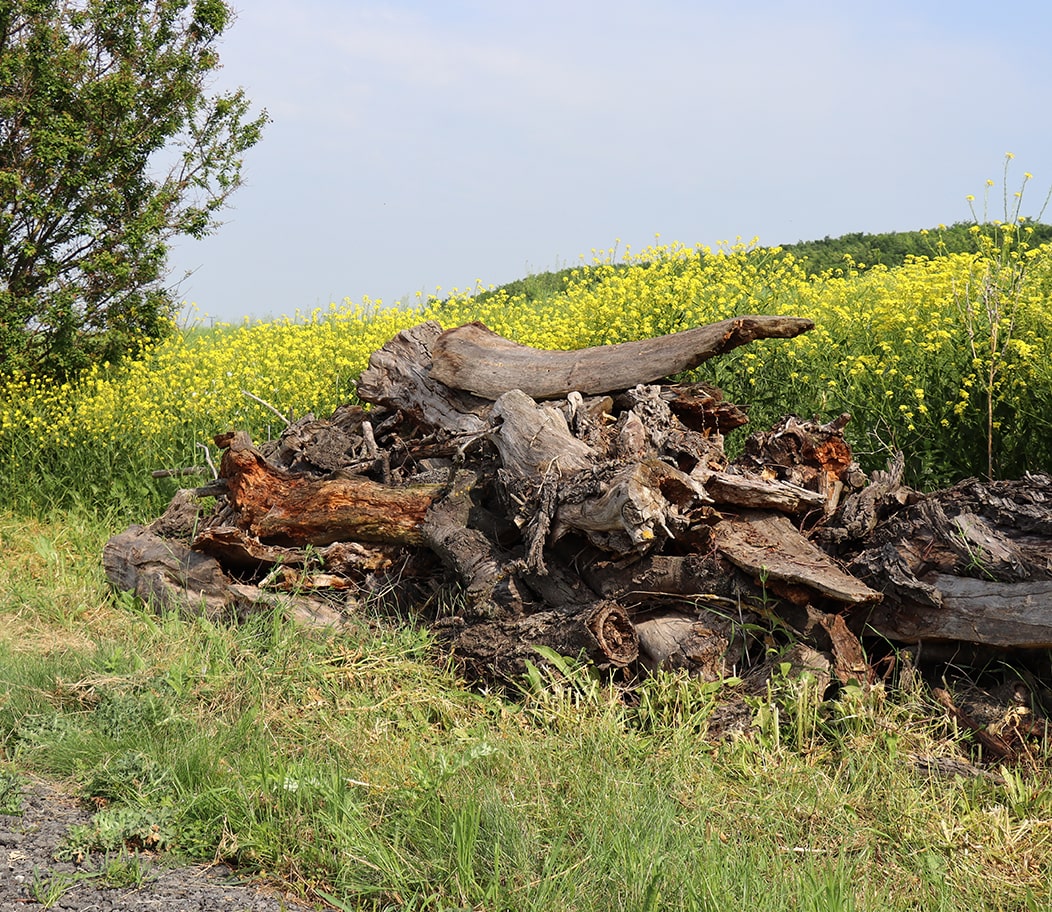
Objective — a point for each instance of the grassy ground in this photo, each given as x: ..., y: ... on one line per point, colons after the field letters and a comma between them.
x: 356, y: 768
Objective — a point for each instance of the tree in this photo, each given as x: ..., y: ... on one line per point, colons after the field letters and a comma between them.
x: 110, y: 146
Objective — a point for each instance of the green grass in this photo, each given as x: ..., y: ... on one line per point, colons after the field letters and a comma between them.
x: 357, y: 767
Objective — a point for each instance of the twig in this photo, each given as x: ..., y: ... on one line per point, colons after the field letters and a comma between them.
x: 368, y: 438
x: 179, y: 473
x: 266, y: 405
x: 208, y: 459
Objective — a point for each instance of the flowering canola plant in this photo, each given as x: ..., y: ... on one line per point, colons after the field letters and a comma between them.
x: 901, y: 349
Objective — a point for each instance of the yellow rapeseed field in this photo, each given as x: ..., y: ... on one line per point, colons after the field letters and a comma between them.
x: 932, y: 357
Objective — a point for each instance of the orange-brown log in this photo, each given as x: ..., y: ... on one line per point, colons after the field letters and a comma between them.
x: 287, y: 508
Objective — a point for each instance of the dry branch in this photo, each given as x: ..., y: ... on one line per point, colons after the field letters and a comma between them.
x: 476, y: 359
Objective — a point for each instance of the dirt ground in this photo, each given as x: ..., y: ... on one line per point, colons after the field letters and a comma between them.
x: 32, y: 878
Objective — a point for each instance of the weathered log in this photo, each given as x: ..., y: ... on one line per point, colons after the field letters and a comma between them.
x: 863, y: 509
x: 167, y: 574
x: 170, y: 577
x: 702, y: 408
x: 984, y: 612
x: 638, y: 501
x: 534, y: 440
x: 236, y: 549
x: 602, y: 634
x: 473, y: 358
x: 807, y: 454
x: 759, y: 493
x: 479, y: 563
x: 970, y: 564
x: 400, y: 376
x: 706, y: 578
x: 771, y: 548
x: 673, y: 640
x: 281, y: 507
x: 634, y: 502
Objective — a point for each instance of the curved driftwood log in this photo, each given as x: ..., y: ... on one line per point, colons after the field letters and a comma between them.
x: 476, y: 359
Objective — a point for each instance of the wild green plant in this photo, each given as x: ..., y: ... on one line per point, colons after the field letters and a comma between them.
x: 48, y: 888
x: 11, y: 789
x: 124, y: 869
x: 994, y: 303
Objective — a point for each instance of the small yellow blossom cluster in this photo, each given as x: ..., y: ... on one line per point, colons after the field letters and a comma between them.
x: 205, y: 379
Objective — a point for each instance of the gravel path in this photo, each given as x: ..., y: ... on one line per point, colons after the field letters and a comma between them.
x: 30, y: 873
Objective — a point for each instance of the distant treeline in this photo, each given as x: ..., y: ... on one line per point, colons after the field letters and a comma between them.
x: 892, y: 248
x: 864, y: 250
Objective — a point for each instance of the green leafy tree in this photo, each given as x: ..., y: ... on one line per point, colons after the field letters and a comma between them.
x: 110, y: 146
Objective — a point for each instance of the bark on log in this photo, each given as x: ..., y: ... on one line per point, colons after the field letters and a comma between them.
x: 280, y: 507
x: 400, y: 377
x: 771, y: 548
x: 473, y: 358
x: 603, y: 635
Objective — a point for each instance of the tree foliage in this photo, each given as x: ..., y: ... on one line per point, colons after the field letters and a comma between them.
x: 892, y: 248
x: 110, y: 146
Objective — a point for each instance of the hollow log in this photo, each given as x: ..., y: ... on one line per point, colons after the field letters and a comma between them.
x: 476, y: 359
x: 601, y: 634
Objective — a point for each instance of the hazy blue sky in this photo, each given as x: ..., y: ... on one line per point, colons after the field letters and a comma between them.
x: 424, y: 145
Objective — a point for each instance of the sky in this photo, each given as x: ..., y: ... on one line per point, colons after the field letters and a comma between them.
x: 426, y: 145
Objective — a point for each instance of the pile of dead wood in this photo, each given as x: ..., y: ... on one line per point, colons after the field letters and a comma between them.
x: 514, y: 498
